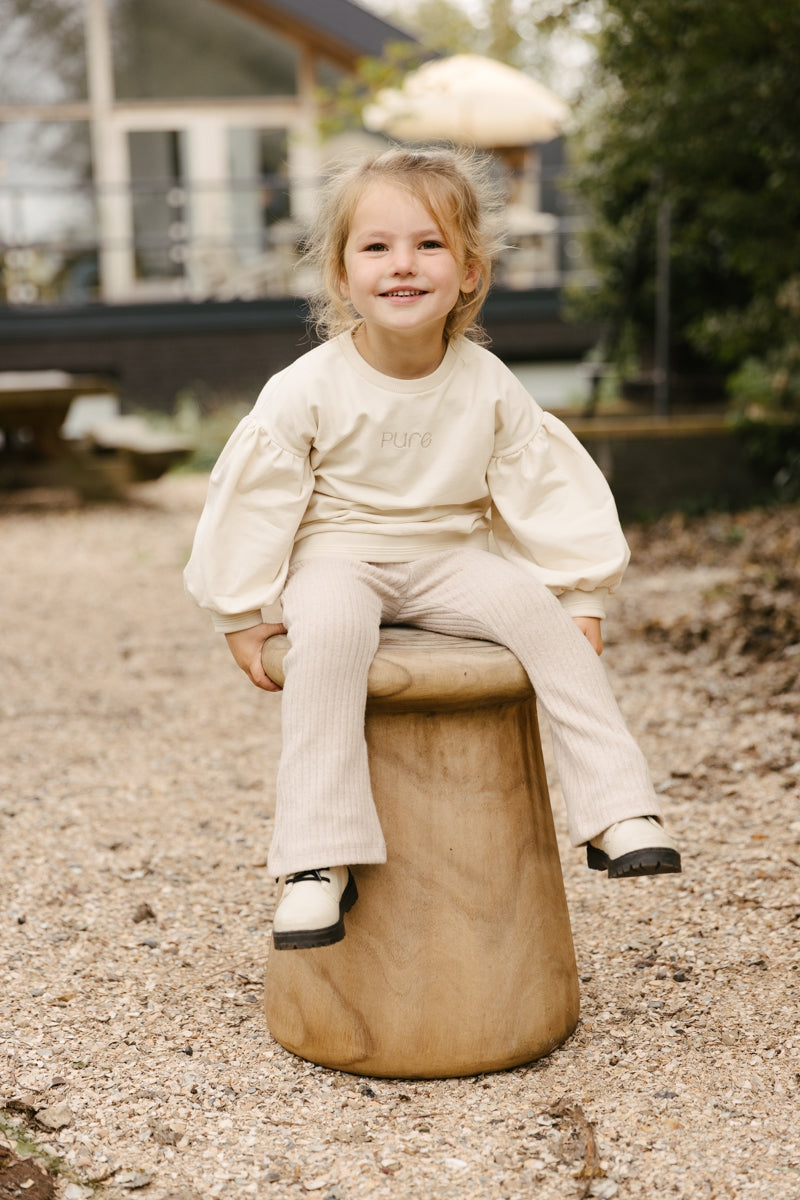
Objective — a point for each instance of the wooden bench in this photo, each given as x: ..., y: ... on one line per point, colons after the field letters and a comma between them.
x: 458, y: 957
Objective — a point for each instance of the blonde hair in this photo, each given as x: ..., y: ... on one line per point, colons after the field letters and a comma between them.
x: 458, y: 190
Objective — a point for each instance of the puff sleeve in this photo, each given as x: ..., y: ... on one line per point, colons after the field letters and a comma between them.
x: 553, y: 512
x: 258, y: 492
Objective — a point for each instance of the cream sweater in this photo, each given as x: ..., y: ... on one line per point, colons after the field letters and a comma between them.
x: 336, y: 458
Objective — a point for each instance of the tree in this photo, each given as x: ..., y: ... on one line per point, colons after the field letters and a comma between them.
x: 508, y: 30
x: 697, y: 101
x: 439, y: 25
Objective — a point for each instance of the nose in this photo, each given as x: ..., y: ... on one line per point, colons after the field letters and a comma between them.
x: 403, y: 261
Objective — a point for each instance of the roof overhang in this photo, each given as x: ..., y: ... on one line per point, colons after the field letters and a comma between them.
x: 335, y: 29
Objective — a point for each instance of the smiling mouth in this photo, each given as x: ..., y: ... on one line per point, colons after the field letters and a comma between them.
x: 403, y: 293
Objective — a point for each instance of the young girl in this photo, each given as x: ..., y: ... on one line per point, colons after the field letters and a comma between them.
x: 362, y: 490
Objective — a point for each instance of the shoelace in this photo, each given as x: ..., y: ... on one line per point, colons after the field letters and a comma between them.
x: 318, y: 876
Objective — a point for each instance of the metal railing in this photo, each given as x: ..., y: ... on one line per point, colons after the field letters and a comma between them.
x: 52, y: 251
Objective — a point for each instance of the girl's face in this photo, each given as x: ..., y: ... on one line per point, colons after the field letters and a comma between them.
x: 399, y: 274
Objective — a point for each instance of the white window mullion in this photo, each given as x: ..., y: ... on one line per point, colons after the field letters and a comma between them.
x: 111, y: 165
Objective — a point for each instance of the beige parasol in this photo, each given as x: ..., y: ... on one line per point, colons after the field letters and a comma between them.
x: 468, y: 100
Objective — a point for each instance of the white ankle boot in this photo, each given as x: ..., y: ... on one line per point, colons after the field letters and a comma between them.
x: 311, y: 908
x: 638, y: 846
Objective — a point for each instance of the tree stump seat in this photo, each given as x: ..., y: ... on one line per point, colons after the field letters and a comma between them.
x: 458, y: 956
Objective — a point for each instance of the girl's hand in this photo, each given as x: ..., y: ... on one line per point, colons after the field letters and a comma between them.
x: 246, y: 645
x: 591, y: 630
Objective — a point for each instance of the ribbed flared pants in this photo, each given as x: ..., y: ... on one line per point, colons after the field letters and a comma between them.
x: 333, y: 609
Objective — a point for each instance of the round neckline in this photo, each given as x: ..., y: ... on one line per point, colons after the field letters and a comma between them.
x: 391, y: 383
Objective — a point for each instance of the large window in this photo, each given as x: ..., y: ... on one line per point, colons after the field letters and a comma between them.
x: 159, y: 201
x: 259, y: 186
x: 170, y: 49
x: 47, y: 212
x: 42, y: 51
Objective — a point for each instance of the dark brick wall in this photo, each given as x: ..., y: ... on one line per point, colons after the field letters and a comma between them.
x: 155, y: 351
x: 152, y: 352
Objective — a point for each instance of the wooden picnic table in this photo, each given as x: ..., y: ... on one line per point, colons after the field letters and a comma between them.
x: 35, y: 453
x: 34, y: 406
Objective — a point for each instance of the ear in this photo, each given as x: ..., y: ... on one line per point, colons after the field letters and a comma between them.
x: 342, y: 283
x: 472, y: 274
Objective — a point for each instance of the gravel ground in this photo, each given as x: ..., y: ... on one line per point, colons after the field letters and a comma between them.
x: 136, y: 794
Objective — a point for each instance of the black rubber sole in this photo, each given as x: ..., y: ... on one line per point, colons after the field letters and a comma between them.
x: 656, y: 860
x: 310, y: 939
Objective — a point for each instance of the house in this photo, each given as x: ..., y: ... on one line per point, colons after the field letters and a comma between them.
x: 155, y: 154
x: 199, y: 119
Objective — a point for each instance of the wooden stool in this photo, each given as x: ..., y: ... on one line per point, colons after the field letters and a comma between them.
x: 458, y: 957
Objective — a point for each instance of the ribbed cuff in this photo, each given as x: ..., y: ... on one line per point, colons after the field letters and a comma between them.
x: 584, y: 604
x: 232, y: 623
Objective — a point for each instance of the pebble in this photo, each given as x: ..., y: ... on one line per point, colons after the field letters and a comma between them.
x: 604, y: 1189
x: 177, y: 1091
x: 133, y: 1180
x: 55, y: 1116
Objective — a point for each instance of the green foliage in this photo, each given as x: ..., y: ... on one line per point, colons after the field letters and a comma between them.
x: 207, y: 418
x: 698, y: 101
x: 765, y: 393
x: 517, y: 32
x: 773, y: 450
x: 340, y: 107
x: 440, y: 25
x: 505, y: 39
x: 770, y: 381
